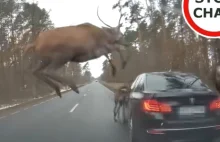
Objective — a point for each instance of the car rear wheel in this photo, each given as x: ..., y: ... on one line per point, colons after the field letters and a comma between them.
x: 124, y: 113
x: 136, y: 133
x: 131, y: 133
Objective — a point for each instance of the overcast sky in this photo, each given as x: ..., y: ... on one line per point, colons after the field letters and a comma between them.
x: 72, y: 12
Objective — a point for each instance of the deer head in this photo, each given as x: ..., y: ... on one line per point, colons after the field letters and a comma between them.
x: 114, y: 33
x: 116, y: 37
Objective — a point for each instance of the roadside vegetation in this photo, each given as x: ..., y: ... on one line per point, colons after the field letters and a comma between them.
x: 162, y: 41
x: 20, y: 23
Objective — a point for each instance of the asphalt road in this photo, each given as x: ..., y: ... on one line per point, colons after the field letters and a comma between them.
x: 84, y: 117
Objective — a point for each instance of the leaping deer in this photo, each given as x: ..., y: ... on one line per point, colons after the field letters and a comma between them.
x: 79, y: 43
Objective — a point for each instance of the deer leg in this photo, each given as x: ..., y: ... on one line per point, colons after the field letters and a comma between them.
x: 123, y: 61
x: 38, y: 73
x: 115, y: 113
x: 50, y: 83
x: 56, y: 77
x: 112, y: 65
x: 62, y: 80
x: 116, y: 47
x: 118, y: 110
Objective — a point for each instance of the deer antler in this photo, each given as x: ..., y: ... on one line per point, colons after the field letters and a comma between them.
x: 101, y: 19
x: 121, y: 15
x: 119, y: 22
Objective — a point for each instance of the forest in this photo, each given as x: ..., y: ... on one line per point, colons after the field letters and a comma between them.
x: 20, y: 23
x: 162, y: 41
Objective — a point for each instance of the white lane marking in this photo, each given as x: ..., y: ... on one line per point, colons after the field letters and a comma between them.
x: 15, y: 112
x: 74, y: 108
x: 25, y: 108
x: 84, y: 95
x: 41, y: 103
x: 2, y: 117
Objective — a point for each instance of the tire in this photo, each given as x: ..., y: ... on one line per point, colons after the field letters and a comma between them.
x: 136, y: 133
x: 132, y: 134
x: 125, y: 109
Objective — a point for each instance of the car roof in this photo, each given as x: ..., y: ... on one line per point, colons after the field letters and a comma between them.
x: 173, y: 74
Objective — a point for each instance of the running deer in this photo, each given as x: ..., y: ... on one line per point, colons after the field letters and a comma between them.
x: 120, y: 98
x: 79, y: 43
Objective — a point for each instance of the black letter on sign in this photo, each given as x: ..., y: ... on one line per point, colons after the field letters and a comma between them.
x: 195, y: 14
x: 199, y: 1
x: 207, y: 12
x: 217, y: 1
x: 217, y: 13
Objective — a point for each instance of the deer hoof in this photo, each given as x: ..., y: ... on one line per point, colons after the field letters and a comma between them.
x: 58, y: 93
x: 76, y: 90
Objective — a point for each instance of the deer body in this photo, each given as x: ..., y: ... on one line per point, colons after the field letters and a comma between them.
x: 79, y: 43
x: 72, y: 40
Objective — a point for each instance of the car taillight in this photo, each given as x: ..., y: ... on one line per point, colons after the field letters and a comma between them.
x: 156, y: 106
x: 214, y: 105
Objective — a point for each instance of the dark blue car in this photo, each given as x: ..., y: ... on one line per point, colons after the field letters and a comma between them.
x: 172, y: 107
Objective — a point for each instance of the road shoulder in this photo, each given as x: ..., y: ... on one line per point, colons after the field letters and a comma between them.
x: 33, y: 102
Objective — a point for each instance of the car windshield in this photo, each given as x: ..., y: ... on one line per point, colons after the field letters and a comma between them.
x: 167, y: 82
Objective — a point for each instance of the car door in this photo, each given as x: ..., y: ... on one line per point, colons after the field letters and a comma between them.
x: 137, y: 87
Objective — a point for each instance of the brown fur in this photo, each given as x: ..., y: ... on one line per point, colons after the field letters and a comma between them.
x: 73, y: 43
x: 79, y: 43
x: 120, y: 94
x: 82, y: 37
x: 120, y: 98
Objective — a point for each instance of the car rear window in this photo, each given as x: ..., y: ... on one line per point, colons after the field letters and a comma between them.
x: 161, y: 82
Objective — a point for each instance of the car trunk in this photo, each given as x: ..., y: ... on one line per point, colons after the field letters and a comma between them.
x: 190, y: 108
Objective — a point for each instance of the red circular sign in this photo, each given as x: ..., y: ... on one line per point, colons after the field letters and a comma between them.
x: 185, y: 7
